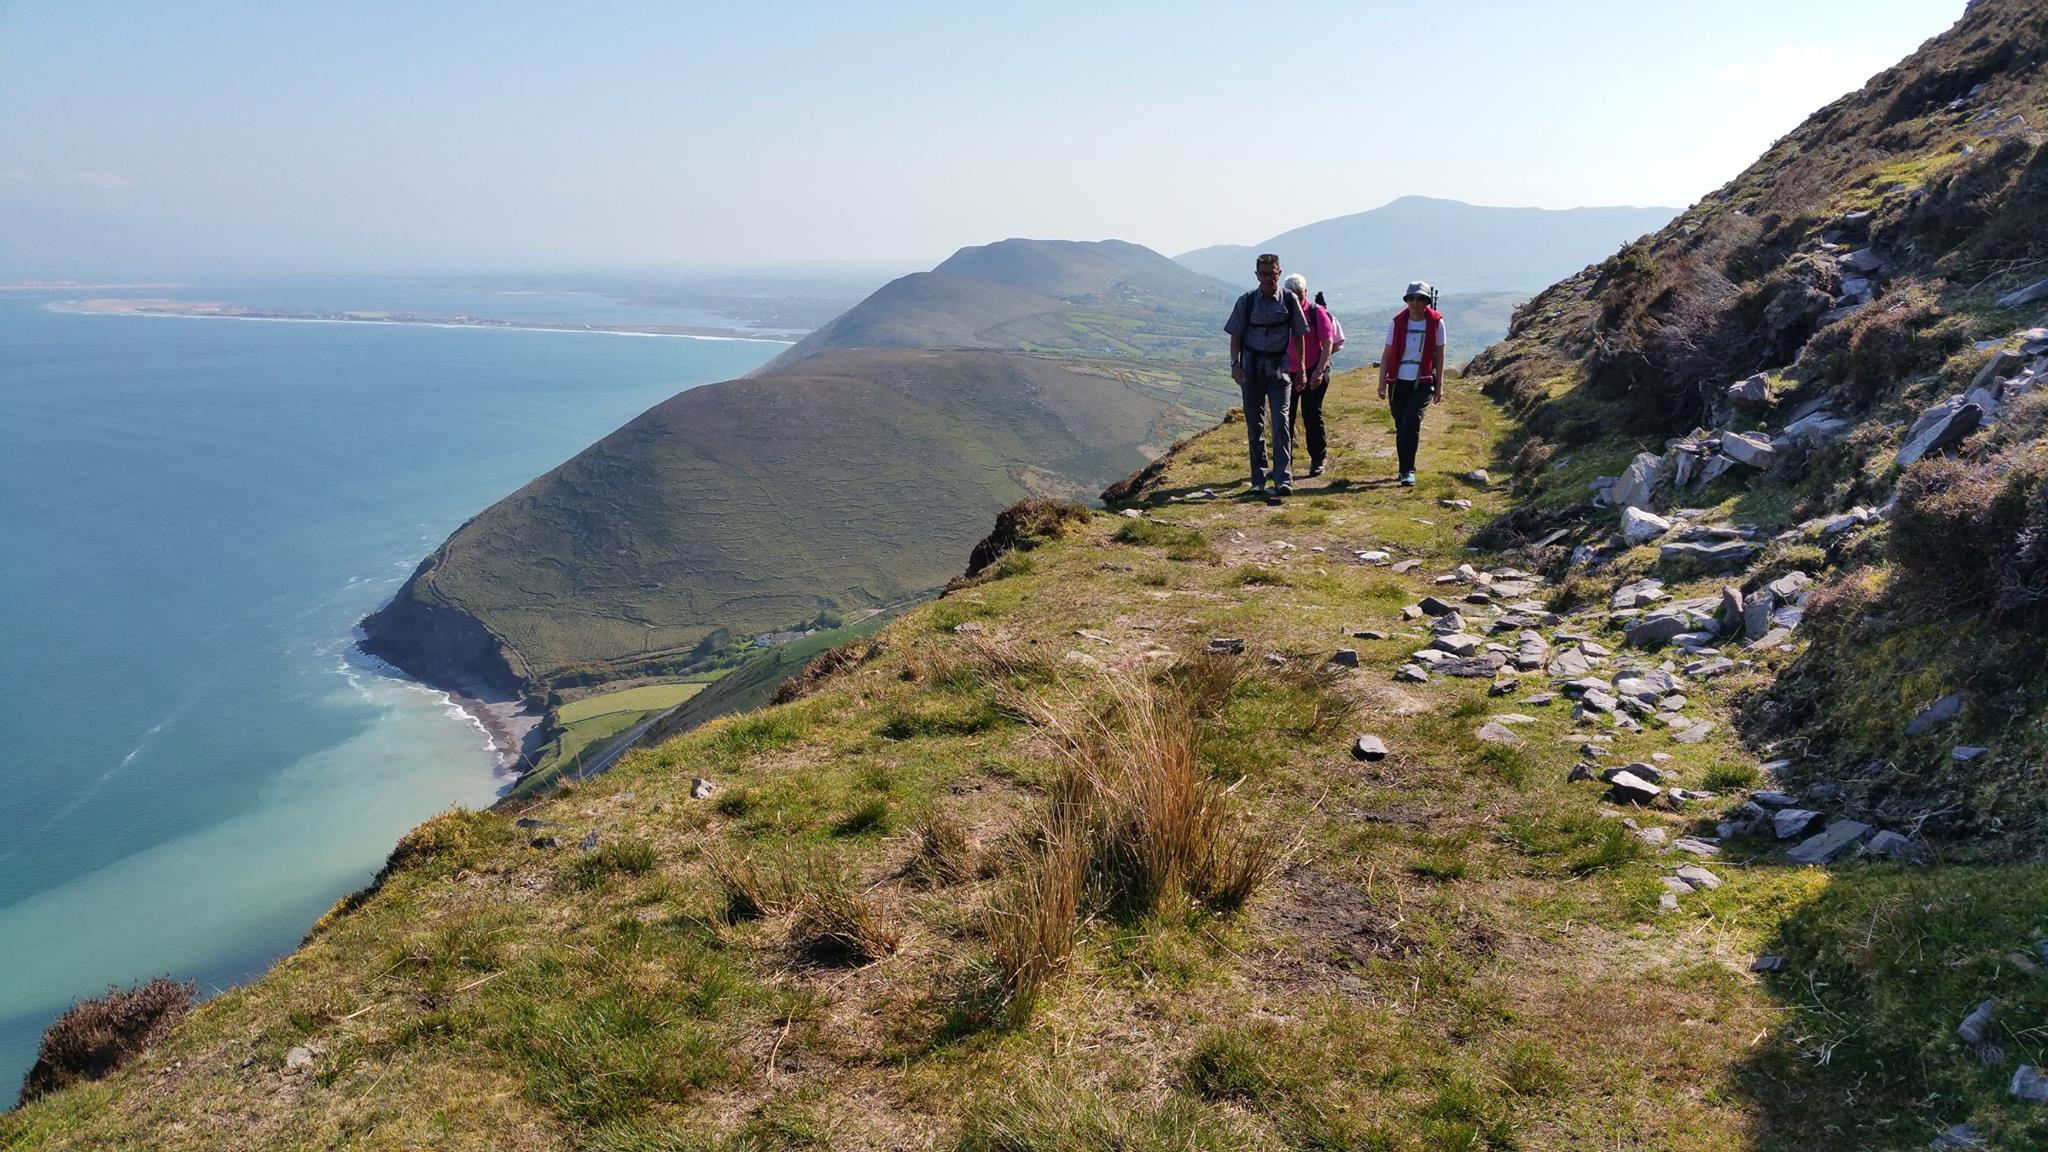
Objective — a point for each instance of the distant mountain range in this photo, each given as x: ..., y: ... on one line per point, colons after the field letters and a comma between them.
x: 855, y: 471
x: 1367, y: 257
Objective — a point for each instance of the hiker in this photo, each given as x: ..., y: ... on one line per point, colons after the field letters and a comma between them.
x: 1260, y: 326
x: 1412, y: 371
x: 1312, y: 379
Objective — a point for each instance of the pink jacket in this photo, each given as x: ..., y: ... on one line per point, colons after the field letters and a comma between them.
x: 1320, y: 331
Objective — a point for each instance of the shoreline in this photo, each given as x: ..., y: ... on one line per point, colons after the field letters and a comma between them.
x: 195, y: 311
x: 512, y: 731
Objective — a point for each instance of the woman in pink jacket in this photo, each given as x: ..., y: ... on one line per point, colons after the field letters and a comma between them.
x: 1308, y: 360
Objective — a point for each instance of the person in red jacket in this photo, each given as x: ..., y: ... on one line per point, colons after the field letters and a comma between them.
x: 1412, y: 371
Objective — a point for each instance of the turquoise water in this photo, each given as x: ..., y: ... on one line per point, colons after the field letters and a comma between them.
x: 195, y: 514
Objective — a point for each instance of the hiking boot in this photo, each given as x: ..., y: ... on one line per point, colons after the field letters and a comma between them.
x: 1283, y: 488
x: 1407, y: 479
x: 1315, y: 468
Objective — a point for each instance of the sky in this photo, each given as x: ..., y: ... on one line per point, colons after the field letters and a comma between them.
x: 143, y: 138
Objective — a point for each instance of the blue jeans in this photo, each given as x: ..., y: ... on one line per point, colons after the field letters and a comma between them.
x: 1265, y: 395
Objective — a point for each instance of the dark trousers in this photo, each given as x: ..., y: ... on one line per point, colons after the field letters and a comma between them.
x: 1264, y: 393
x: 1409, y: 399
x: 1306, y: 413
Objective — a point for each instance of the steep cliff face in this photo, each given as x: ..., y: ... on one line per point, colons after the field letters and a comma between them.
x: 440, y: 643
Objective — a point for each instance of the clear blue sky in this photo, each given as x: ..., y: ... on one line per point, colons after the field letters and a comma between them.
x: 170, y: 137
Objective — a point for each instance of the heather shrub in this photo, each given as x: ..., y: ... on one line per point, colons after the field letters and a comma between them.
x: 1976, y: 532
x: 97, y: 1036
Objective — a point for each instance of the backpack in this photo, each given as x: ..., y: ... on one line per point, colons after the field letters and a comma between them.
x: 1336, y: 326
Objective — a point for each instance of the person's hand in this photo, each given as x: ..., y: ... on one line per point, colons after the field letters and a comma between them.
x: 1237, y: 371
x: 1383, y: 388
x: 1436, y: 395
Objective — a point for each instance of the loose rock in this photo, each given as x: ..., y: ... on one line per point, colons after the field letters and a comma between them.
x: 1369, y: 748
x: 1830, y: 842
x: 1936, y: 714
x: 1498, y: 734
x: 1793, y: 822
x: 2027, y: 1081
x: 1977, y: 1025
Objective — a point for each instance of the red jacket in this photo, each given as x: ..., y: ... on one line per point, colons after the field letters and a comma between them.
x: 1397, y: 344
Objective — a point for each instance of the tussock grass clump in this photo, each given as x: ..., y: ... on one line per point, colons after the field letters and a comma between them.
x: 1180, y: 541
x: 1033, y: 916
x: 943, y: 855
x: 94, y: 1037
x: 747, y: 890
x: 834, y: 924
x: 620, y: 857
x: 758, y: 732
x: 870, y: 815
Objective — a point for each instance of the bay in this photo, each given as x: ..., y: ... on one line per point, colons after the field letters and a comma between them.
x: 195, y: 514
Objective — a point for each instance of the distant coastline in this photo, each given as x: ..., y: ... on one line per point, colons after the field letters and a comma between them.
x: 216, y: 311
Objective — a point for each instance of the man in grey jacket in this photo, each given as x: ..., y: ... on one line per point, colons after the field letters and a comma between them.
x: 1260, y: 325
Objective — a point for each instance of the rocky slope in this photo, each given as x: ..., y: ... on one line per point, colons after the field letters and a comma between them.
x: 1846, y: 342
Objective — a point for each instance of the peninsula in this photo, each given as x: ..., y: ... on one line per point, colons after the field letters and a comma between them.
x: 218, y: 311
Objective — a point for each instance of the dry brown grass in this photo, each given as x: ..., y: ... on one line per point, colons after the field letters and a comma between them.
x: 835, y: 924
x: 943, y: 854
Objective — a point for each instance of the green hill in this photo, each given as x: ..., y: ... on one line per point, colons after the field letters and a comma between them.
x: 1091, y: 299
x: 853, y: 480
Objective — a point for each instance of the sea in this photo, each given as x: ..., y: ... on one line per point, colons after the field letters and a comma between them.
x: 194, y: 514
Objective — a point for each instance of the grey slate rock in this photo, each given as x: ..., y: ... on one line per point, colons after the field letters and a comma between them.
x: 2038, y: 290
x: 1696, y: 846
x: 701, y: 789
x: 1498, y: 734
x: 1957, y: 1138
x: 1789, y: 585
x: 1749, y: 448
x: 1897, y: 847
x: 1943, y: 434
x: 1412, y: 674
x: 1659, y: 628
x: 1226, y: 645
x: 1628, y: 788
x: 1976, y: 1027
x: 1698, y: 877
x: 1580, y: 771
x: 589, y: 842
x: 2029, y: 1084
x: 1936, y: 714
x: 1347, y: 657
x: 1369, y: 748
x: 1695, y: 734
x: 1770, y: 798
x: 1457, y: 644
x: 1432, y: 606
x: 1793, y: 822
x: 1966, y: 752
x: 1722, y: 553
x: 1824, y: 847
x: 1703, y: 669
x: 1483, y: 665
x: 1638, y: 483
x: 1767, y: 964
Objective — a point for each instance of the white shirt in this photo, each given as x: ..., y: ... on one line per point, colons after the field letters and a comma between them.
x: 1411, y: 351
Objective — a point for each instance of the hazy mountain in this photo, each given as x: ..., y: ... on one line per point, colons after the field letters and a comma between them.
x: 1461, y: 248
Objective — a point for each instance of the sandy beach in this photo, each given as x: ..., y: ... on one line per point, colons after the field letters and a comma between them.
x: 210, y: 310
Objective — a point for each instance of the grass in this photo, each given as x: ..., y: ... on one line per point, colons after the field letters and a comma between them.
x: 639, y: 701
x: 966, y: 892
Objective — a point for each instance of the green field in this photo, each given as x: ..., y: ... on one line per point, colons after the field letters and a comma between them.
x: 641, y: 700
